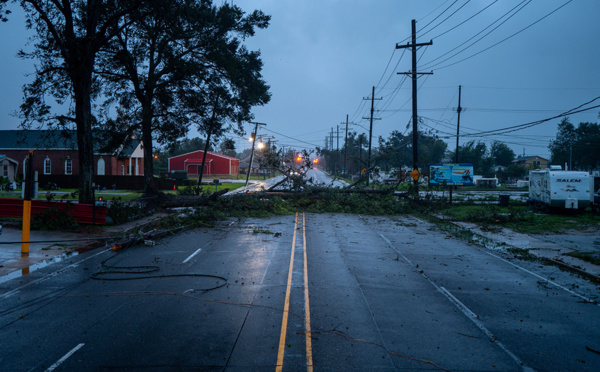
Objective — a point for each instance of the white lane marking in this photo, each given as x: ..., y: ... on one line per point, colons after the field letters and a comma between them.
x: 465, y: 310
x: 197, y: 251
x: 200, y: 249
x: 545, y: 279
x: 62, y: 360
x: 397, y: 251
x: 192, y: 256
x: 50, y: 276
x: 471, y: 315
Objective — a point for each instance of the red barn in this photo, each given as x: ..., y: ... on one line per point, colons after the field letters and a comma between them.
x: 216, y: 164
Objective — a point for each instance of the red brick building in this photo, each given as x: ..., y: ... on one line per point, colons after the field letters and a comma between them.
x: 215, y: 165
x: 55, y: 154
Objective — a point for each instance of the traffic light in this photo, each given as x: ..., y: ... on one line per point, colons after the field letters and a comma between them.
x: 316, y: 161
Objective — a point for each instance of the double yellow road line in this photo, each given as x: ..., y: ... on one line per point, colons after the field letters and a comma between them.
x: 286, y: 309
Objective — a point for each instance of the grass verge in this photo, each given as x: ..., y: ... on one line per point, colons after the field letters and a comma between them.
x: 522, y: 218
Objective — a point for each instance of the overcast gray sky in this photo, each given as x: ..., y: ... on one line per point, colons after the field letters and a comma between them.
x: 322, y: 58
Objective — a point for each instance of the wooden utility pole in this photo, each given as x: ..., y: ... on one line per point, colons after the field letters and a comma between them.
x: 415, y: 118
x: 252, y: 151
x: 371, y: 118
x: 337, y: 152
x: 458, y: 110
x: 346, y: 146
x: 334, y: 160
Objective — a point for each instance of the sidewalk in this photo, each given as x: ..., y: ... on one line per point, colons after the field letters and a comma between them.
x: 52, y: 246
x: 553, y: 248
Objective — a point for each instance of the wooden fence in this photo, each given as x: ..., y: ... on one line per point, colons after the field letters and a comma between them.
x: 82, y: 213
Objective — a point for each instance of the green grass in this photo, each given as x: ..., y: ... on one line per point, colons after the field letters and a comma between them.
x: 586, y: 256
x: 125, y: 195
x: 522, y: 218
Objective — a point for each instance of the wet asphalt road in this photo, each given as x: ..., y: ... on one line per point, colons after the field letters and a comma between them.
x: 364, y: 293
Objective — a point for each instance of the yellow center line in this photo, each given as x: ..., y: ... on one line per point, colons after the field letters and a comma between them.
x: 286, y: 307
x: 309, y: 361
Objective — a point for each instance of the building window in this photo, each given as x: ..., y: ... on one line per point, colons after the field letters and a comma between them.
x: 122, y: 170
x: 47, y: 166
x: 68, y: 166
x: 5, y: 170
x: 100, y: 170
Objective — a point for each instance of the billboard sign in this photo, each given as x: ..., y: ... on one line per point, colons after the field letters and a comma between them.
x: 451, y: 174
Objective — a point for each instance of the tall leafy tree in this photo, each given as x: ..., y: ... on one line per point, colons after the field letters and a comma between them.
x: 227, y: 147
x: 69, y: 35
x: 586, y: 152
x: 560, y: 147
x: 181, y: 63
x: 187, y: 145
x: 577, y: 146
x: 501, y: 153
x: 477, y: 154
x: 396, y: 150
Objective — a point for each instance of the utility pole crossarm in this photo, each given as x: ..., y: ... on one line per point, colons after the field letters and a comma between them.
x: 414, y: 73
x: 409, y: 45
x: 371, y: 127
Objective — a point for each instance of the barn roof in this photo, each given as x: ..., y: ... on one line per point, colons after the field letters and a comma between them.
x: 200, y: 153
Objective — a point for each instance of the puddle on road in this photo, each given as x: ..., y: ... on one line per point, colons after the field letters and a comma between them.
x: 37, y: 266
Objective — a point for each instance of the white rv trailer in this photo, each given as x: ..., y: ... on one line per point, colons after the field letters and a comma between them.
x: 561, y: 189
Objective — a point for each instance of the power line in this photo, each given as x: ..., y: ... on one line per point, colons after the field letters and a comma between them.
x: 386, y: 67
x: 391, y: 74
x: 508, y: 14
x: 438, y: 16
x: 292, y: 138
x: 445, y: 19
x: 513, y: 128
x: 505, y: 39
x: 427, y: 15
x: 465, y: 21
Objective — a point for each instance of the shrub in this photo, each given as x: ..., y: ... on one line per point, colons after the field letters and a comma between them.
x: 54, y: 219
x: 121, y: 211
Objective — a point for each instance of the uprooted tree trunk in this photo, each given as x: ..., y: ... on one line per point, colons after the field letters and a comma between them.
x: 191, y: 201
